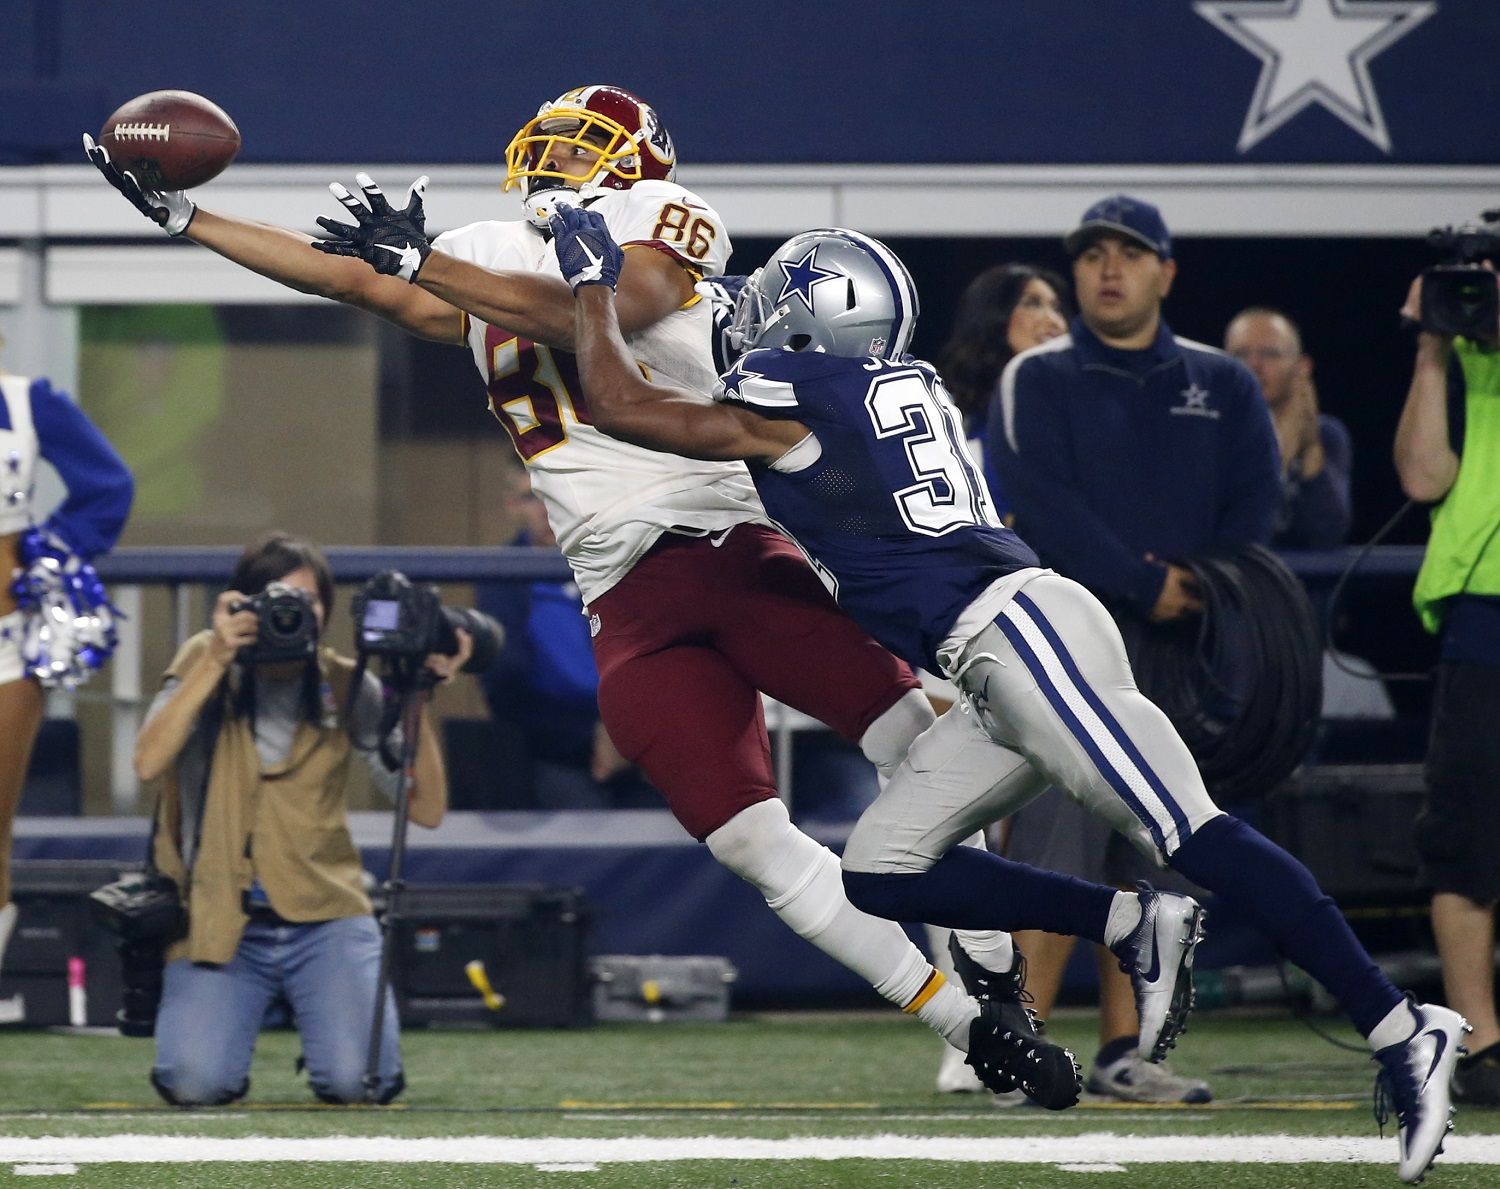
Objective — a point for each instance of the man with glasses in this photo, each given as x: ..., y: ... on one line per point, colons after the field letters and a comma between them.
x: 1316, y: 455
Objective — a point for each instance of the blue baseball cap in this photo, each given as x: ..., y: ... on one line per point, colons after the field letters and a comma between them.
x: 1124, y: 215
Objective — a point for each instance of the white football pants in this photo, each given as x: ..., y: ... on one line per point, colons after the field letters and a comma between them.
x: 1049, y: 699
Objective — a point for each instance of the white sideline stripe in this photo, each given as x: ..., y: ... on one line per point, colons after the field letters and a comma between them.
x: 1092, y: 1148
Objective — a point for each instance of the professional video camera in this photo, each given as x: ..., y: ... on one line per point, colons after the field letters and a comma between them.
x: 396, y: 619
x: 1460, y: 295
x: 403, y: 624
x: 288, y: 624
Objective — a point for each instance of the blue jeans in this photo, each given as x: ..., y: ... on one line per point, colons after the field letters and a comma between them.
x: 325, y: 973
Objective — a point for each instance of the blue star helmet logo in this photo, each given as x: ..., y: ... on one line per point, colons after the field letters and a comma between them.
x: 801, y: 276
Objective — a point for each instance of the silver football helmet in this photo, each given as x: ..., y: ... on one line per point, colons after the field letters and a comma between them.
x: 828, y: 290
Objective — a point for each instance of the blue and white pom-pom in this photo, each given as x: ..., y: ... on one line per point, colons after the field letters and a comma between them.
x: 68, y: 624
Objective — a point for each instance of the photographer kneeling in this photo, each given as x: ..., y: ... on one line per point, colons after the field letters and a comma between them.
x: 251, y: 736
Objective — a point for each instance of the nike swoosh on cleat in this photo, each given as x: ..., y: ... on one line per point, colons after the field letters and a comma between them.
x: 1155, y: 972
x: 1441, y: 1038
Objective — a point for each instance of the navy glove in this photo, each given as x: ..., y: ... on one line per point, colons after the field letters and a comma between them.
x: 585, y: 252
x: 723, y: 290
x: 393, y: 243
x: 723, y: 295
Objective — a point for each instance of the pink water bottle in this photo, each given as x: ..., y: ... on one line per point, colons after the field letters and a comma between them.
x: 78, y: 996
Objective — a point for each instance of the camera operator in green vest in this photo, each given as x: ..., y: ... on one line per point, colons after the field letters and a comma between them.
x: 1448, y: 454
x: 252, y: 734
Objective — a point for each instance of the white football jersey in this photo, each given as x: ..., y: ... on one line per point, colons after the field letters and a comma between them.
x: 607, y: 500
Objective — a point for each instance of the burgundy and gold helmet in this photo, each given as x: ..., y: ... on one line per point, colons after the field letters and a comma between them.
x: 632, y: 143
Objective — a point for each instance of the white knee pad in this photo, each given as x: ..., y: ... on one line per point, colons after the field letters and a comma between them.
x: 804, y: 886
x: 799, y: 878
x: 887, y: 739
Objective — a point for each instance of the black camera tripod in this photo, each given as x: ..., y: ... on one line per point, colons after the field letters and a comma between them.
x: 414, y: 684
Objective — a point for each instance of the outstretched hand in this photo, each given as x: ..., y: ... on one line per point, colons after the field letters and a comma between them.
x: 172, y: 209
x: 393, y: 243
x: 586, y: 252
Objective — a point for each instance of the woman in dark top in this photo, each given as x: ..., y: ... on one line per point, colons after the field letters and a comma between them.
x: 1006, y: 309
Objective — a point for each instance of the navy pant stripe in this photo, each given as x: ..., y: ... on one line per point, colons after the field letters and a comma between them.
x: 1111, y: 724
x: 1116, y: 779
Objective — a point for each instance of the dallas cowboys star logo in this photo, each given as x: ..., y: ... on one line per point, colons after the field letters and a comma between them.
x: 801, y: 276
x: 1195, y: 403
x: 1315, y: 51
x: 736, y: 376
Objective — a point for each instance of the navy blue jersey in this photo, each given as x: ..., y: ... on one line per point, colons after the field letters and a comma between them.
x: 893, y: 511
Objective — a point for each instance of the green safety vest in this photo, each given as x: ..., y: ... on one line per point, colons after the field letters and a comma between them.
x: 1463, y: 552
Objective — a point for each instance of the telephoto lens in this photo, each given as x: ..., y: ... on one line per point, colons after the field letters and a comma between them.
x: 142, y: 964
x: 488, y: 635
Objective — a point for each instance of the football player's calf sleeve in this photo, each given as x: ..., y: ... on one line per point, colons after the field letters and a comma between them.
x: 800, y: 880
x: 972, y: 889
x: 991, y: 948
x: 887, y: 739
x: 1280, y: 896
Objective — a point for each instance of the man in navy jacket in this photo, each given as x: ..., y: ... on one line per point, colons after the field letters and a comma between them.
x: 1123, y: 448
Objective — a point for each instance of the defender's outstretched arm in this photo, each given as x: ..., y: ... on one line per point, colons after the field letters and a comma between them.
x: 624, y: 401
x: 628, y: 406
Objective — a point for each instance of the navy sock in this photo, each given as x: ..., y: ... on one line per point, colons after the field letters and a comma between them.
x: 1276, y: 892
x: 1116, y: 1049
x: 969, y: 888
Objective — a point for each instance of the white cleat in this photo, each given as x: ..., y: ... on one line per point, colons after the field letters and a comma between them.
x: 1158, y: 956
x: 1415, y: 1080
x: 1130, y: 1079
x: 954, y: 1074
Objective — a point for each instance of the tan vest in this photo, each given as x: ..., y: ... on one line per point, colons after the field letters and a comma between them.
x: 286, y: 824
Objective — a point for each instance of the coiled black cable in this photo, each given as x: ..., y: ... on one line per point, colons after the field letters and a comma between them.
x: 1243, y: 682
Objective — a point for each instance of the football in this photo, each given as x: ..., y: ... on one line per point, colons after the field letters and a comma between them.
x: 171, y: 140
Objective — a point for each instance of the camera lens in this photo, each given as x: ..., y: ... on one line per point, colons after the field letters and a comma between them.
x: 285, y: 619
x: 141, y: 975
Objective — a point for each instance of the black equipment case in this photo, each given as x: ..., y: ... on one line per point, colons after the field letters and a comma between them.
x: 530, y: 942
x: 1354, y: 827
x: 56, y: 923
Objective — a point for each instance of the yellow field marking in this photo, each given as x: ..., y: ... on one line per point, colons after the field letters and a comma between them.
x: 1292, y: 1104
x: 579, y: 1104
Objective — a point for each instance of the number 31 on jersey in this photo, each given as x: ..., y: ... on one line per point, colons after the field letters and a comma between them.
x: 947, y: 492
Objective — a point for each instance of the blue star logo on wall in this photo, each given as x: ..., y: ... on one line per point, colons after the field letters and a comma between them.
x: 1315, y: 52
x: 801, y: 276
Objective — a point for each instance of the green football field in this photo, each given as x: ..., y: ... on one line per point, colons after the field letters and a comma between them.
x: 780, y: 1100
